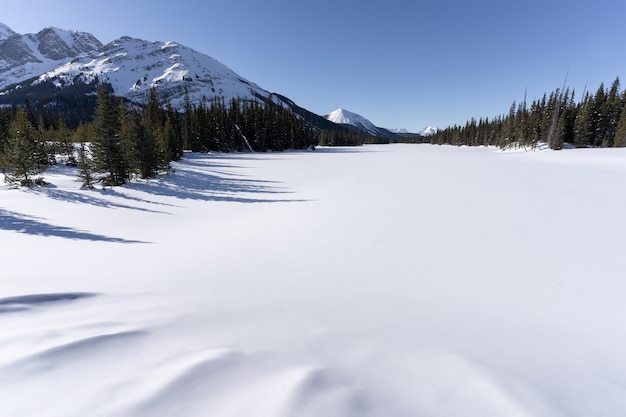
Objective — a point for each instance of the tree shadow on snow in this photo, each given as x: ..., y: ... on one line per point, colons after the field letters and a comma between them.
x: 91, y: 198
x: 30, y: 225
x: 28, y: 301
x: 196, y: 180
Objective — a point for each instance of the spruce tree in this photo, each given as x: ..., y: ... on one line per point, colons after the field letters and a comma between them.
x: 612, y: 110
x: 583, y: 132
x: 85, y: 167
x: 107, y: 149
x: 599, y: 119
x: 22, y: 158
x: 4, y: 134
x: 64, y: 137
x: 620, y: 132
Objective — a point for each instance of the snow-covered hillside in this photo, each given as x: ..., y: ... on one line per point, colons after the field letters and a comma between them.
x: 132, y: 66
x: 5, y: 32
x: 428, y: 131
x: 23, y: 57
x: 446, y: 282
x: 342, y: 116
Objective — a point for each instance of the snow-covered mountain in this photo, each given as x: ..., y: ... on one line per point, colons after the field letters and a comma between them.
x: 57, y: 58
x: 132, y: 66
x: 400, y: 131
x: 5, y: 32
x: 345, y: 117
x: 428, y: 131
x: 43, y: 67
x: 23, y: 57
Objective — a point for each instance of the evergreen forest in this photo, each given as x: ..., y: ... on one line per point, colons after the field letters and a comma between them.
x: 597, y: 120
x: 125, y: 141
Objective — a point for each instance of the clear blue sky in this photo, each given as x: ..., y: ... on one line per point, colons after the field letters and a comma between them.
x: 399, y: 63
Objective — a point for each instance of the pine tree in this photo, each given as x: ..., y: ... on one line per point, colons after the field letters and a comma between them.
x: 612, y: 110
x: 22, y: 158
x: 4, y: 134
x: 64, y: 137
x: 85, y: 167
x: 620, y: 132
x: 583, y: 132
x: 107, y: 149
x: 145, y: 145
x: 599, y: 119
x: 558, y: 137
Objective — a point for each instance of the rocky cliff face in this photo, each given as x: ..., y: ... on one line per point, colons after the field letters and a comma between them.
x: 25, y: 56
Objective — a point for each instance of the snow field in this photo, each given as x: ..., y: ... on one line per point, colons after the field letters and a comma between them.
x: 394, y: 280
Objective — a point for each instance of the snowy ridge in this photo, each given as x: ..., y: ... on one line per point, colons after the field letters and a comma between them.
x: 428, y: 131
x: 342, y: 116
x: 132, y: 66
x: 5, y: 32
x: 23, y: 57
x: 345, y: 117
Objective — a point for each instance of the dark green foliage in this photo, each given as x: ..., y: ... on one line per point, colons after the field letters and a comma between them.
x: 76, y: 102
x: 620, y: 132
x: 597, y: 120
x: 23, y: 155
x: 5, y: 120
x: 86, y: 168
x: 346, y: 136
x: 107, y: 148
x: 244, y: 126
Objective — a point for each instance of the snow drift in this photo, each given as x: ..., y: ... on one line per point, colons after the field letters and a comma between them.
x: 395, y: 280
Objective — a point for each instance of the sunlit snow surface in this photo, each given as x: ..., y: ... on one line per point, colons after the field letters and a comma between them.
x: 400, y: 280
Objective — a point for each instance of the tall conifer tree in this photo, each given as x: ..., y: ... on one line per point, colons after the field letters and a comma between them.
x: 107, y: 149
x: 24, y: 157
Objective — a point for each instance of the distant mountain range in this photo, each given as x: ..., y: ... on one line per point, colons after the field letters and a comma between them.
x: 45, y: 66
x: 427, y: 131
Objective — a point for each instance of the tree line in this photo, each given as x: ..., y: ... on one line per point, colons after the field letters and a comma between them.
x: 597, y: 120
x: 124, y: 141
x: 245, y: 126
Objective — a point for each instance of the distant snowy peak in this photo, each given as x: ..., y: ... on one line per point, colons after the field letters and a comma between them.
x: 428, y: 131
x: 345, y: 117
x: 5, y: 32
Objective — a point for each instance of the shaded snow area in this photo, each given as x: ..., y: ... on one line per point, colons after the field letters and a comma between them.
x: 397, y: 280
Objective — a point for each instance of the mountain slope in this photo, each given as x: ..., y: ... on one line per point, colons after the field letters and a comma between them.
x: 345, y: 117
x: 129, y: 67
x: 5, y: 32
x: 60, y: 70
x: 132, y: 66
x: 25, y: 56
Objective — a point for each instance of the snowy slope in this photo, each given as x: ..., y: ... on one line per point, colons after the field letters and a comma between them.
x: 428, y: 131
x: 476, y: 283
x: 5, y: 32
x: 132, y: 66
x: 342, y: 116
x: 23, y: 57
